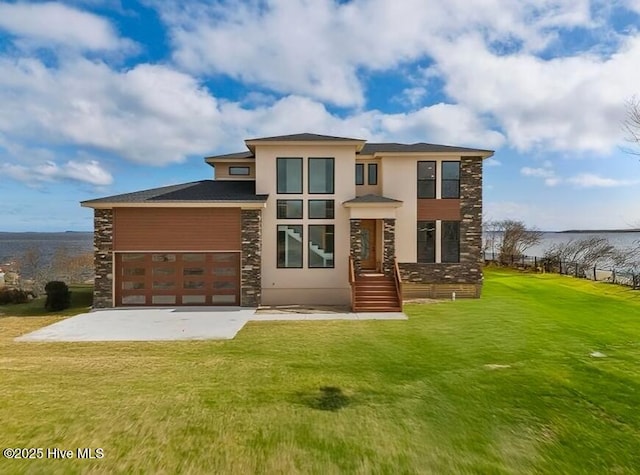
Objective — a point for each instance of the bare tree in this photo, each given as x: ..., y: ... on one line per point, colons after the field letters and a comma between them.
x: 631, y: 123
x: 586, y: 252
x: 33, y: 269
x: 513, y: 239
x: 71, y: 268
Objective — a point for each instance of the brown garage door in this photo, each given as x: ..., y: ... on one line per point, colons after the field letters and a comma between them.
x: 196, y: 278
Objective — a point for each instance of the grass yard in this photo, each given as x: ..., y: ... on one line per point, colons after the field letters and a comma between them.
x: 504, y: 384
x: 81, y: 300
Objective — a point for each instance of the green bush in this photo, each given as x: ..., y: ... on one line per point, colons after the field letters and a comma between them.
x: 11, y: 296
x: 58, y: 296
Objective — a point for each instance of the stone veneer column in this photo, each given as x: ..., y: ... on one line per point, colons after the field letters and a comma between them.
x: 471, y: 211
x: 389, y: 243
x: 251, y: 280
x: 103, y: 258
x: 356, y: 244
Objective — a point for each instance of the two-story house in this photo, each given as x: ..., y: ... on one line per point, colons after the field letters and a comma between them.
x: 299, y: 219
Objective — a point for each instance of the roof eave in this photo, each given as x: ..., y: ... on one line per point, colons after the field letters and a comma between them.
x: 244, y: 204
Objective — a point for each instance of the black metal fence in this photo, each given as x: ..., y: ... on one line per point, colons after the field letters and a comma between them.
x: 627, y: 277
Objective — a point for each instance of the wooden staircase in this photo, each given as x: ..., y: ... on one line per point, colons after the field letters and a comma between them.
x: 375, y: 293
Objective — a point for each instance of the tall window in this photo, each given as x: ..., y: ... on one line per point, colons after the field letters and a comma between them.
x: 451, y: 179
x: 372, y: 170
x: 289, y: 246
x: 426, y: 241
x: 450, y: 241
x: 427, y: 179
x: 321, y: 249
x: 359, y: 173
x: 321, y: 175
x: 289, y: 171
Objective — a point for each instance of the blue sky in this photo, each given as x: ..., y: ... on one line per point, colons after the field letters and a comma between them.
x: 105, y: 97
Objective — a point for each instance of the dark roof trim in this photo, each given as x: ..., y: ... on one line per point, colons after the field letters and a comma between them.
x: 371, y: 198
x: 372, y: 148
x: 204, y: 191
x: 305, y: 137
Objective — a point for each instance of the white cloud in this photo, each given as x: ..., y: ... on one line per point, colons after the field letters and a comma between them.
x: 318, y: 48
x: 590, y: 180
x: 537, y: 172
x: 88, y: 171
x: 492, y: 162
x: 148, y: 114
x: 52, y: 23
x: 573, y: 103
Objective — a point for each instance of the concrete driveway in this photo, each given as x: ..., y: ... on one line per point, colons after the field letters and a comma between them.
x: 167, y: 324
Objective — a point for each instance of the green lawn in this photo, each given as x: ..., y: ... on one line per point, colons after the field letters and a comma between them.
x: 414, y: 396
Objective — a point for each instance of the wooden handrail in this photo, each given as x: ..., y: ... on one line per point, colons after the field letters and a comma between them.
x: 352, y: 282
x: 398, y: 281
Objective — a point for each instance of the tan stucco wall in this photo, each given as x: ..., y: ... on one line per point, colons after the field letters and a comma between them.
x: 280, y: 286
x: 222, y: 171
x: 367, y: 189
x: 400, y: 182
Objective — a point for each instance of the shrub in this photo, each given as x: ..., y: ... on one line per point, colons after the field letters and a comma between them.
x: 12, y: 296
x: 58, y: 296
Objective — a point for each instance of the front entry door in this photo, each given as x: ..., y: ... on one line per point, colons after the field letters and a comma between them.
x: 369, y: 247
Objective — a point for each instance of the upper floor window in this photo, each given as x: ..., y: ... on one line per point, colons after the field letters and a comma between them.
x: 427, y: 179
x: 239, y: 171
x: 426, y: 241
x: 289, y: 171
x: 321, y: 175
x: 359, y: 173
x: 451, y: 179
x: 321, y: 209
x: 450, y: 251
x: 372, y: 170
x: 289, y: 209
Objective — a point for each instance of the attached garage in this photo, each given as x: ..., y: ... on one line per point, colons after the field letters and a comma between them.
x: 189, y: 244
x: 176, y: 256
x: 177, y: 278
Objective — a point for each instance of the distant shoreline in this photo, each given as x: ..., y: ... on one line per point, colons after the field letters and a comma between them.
x: 596, y: 231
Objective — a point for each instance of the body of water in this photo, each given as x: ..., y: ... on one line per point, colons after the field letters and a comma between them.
x: 620, y: 240
x: 14, y: 245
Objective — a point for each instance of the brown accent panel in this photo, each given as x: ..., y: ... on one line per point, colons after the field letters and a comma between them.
x: 446, y: 210
x: 176, y: 229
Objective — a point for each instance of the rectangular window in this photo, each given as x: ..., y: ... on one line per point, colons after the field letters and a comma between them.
x: 450, y: 241
x: 321, y: 175
x: 321, y: 241
x: 289, y: 171
x: 451, y: 179
x: 359, y: 173
x: 426, y: 241
x: 289, y: 209
x: 321, y: 209
x: 289, y: 246
x: 427, y: 179
x: 372, y: 170
x: 239, y: 171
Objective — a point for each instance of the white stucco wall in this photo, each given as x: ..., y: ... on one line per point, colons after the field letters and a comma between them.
x: 305, y: 285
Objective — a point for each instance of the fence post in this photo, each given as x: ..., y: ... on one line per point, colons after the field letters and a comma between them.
x: 576, y: 271
x: 535, y: 263
x: 613, y: 275
x: 595, y: 277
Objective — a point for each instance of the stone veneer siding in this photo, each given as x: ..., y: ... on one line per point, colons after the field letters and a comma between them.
x: 103, y: 258
x: 389, y: 243
x: 251, y: 283
x: 356, y: 244
x: 469, y: 269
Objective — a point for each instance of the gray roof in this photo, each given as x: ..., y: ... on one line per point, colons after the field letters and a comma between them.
x: 306, y: 137
x: 197, y: 191
x: 235, y: 156
x: 372, y: 199
x: 371, y: 148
